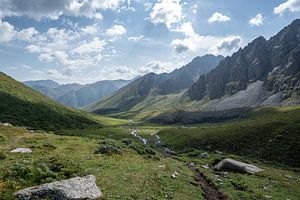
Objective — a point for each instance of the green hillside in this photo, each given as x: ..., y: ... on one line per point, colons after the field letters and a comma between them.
x: 269, y: 133
x: 22, y: 106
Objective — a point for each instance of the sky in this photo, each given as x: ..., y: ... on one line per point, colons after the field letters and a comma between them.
x: 85, y: 41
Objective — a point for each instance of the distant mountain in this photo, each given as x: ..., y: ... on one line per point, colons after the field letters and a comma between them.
x: 264, y: 72
x: 76, y: 95
x: 152, y: 85
x: 23, y: 106
x: 92, y: 92
x: 42, y: 83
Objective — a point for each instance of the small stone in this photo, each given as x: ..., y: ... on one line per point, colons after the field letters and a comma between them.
x: 174, y: 175
x: 205, y: 166
x: 218, y: 152
x: 268, y: 196
x: 203, y: 155
x: 21, y: 150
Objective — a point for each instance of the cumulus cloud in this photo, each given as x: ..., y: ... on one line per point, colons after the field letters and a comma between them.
x: 257, y: 20
x: 46, y: 57
x: 116, y: 31
x: 39, y: 9
x: 73, y: 50
x: 210, y: 44
x: 94, y: 46
x: 90, y: 30
x: 289, y: 5
x: 167, y: 12
x: 218, y: 17
x: 9, y: 33
x: 229, y: 44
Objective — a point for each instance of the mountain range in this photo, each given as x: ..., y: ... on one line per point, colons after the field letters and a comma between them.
x: 265, y: 72
x: 151, y: 87
x: 76, y: 95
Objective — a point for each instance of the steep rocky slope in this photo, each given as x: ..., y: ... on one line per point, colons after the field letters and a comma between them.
x: 275, y: 62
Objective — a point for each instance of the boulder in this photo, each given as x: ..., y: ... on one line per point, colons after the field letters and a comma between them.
x: 6, y: 124
x: 168, y: 152
x: 21, y: 150
x: 70, y: 189
x: 237, y: 166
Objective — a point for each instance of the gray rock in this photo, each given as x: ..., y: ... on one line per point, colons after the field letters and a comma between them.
x: 21, y: 150
x: 168, y: 152
x: 237, y: 166
x: 203, y: 155
x: 70, y: 189
x: 6, y: 124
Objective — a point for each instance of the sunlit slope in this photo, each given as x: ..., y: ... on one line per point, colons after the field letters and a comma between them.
x: 22, y: 106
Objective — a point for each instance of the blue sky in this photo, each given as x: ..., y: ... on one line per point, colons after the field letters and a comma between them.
x: 86, y: 41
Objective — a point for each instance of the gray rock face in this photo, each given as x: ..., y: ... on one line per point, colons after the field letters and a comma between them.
x: 70, y: 189
x: 237, y: 166
x: 275, y: 62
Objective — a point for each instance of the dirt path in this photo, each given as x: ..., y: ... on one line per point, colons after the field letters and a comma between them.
x: 209, y: 190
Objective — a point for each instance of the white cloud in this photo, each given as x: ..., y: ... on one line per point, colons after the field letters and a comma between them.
x: 186, y: 29
x: 289, y: 5
x: 94, y: 46
x: 227, y: 45
x: 116, y: 31
x: 90, y: 30
x: 207, y: 44
x: 136, y: 38
x: 148, y: 6
x: 9, y: 33
x: 39, y: 9
x: 257, y: 20
x: 218, y: 17
x: 167, y: 12
x: 73, y: 50
x: 46, y: 57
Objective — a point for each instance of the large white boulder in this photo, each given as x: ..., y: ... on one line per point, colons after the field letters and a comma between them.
x: 237, y: 166
x: 70, y: 189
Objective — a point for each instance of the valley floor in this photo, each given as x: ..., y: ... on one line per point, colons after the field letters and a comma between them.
x: 133, y: 174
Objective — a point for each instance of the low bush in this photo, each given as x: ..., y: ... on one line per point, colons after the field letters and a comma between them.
x: 109, y: 146
x: 2, y: 155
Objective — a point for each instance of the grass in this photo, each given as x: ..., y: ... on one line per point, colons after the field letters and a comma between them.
x: 270, y: 134
x: 120, y: 176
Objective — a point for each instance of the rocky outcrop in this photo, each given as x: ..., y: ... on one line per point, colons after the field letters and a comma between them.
x: 70, y: 189
x: 275, y: 62
x: 237, y: 166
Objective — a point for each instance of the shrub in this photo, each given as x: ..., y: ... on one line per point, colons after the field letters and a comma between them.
x: 138, y: 147
x: 109, y: 146
x: 2, y: 155
x: 42, y: 171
